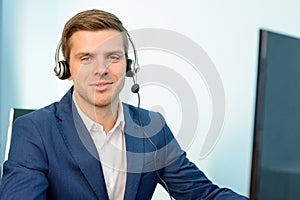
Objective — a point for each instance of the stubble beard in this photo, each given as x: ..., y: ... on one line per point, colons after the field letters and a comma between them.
x: 109, y: 100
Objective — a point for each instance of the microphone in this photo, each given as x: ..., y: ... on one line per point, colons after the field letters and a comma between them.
x: 135, y: 88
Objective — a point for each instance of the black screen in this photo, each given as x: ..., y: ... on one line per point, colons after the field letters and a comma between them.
x: 276, y: 148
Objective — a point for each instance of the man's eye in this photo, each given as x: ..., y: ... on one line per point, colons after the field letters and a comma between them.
x: 114, y: 58
x: 86, y: 59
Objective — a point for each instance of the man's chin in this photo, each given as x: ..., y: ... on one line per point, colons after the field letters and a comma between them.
x: 102, y: 103
x: 105, y: 102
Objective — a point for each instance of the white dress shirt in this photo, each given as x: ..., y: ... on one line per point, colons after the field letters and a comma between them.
x: 111, y: 149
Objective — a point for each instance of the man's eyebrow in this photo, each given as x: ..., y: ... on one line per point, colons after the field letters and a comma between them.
x: 79, y: 54
x: 116, y: 52
x: 82, y: 54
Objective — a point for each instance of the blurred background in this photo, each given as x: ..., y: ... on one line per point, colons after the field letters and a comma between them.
x: 227, y: 31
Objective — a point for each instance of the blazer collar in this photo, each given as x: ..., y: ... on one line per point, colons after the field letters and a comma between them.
x: 80, y: 144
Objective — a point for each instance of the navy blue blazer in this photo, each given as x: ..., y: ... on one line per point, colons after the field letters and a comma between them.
x: 52, y: 156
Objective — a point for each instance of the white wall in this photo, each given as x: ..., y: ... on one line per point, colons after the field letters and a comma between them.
x: 227, y: 32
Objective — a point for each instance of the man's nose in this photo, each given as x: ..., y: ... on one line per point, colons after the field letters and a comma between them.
x: 101, y: 65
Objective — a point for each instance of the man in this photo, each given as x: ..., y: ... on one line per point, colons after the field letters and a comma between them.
x: 91, y: 146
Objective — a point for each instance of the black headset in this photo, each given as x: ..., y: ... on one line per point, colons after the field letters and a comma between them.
x: 62, y: 69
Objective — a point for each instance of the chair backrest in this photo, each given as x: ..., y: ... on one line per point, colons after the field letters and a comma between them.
x: 14, y: 114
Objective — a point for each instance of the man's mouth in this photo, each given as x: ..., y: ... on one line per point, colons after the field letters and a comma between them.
x: 101, y: 86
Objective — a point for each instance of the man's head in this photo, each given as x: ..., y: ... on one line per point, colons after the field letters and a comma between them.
x: 91, y: 20
x: 95, y: 45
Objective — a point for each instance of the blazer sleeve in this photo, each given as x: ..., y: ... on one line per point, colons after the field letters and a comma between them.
x: 25, y: 171
x: 184, y: 180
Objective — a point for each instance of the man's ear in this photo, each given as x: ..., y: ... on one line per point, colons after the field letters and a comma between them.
x: 70, y: 78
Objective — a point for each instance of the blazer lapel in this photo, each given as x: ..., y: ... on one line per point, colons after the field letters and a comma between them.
x: 134, y: 153
x: 81, y: 146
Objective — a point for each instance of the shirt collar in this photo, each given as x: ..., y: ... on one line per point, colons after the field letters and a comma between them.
x: 89, y: 123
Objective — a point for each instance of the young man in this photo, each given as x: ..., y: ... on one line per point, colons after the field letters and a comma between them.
x: 90, y: 145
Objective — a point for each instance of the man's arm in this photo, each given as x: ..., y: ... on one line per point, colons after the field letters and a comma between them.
x: 24, y: 173
x: 184, y: 180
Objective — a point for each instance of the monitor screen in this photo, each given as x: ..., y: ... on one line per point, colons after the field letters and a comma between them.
x: 276, y: 146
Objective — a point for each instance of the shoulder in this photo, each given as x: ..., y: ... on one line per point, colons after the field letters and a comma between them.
x: 39, y: 115
x: 143, y: 115
x: 152, y: 124
x: 51, y: 112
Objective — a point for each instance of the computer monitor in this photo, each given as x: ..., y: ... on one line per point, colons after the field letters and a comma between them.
x: 276, y: 146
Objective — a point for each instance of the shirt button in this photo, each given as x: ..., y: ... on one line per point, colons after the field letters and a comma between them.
x: 94, y: 128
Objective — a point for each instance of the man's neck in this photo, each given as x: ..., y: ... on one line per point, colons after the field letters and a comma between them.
x: 107, y: 116
x: 104, y: 115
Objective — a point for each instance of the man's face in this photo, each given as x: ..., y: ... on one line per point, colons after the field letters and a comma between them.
x: 97, y: 65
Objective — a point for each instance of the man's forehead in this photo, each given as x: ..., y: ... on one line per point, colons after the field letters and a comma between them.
x: 96, y: 41
x: 107, y: 35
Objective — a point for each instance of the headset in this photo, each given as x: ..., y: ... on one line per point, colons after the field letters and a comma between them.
x: 62, y: 68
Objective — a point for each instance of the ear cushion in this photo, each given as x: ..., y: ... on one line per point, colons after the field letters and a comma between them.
x: 129, y: 72
x: 62, y: 70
